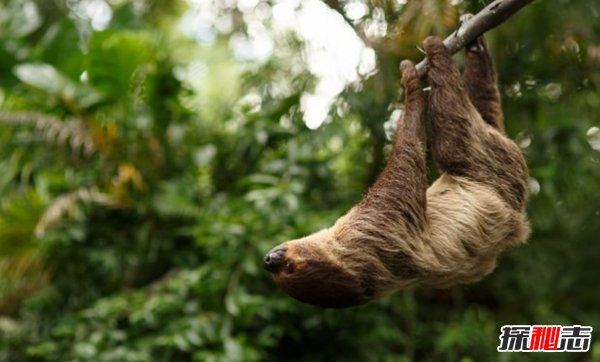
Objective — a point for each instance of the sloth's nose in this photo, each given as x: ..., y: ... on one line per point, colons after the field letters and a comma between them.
x: 273, y: 261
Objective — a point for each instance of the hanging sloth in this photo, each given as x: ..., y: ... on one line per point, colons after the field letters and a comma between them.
x: 404, y: 234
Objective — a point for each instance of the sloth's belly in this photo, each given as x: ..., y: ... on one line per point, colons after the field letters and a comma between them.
x: 468, y: 226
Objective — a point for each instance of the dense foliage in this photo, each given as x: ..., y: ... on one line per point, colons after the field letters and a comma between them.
x: 145, y: 170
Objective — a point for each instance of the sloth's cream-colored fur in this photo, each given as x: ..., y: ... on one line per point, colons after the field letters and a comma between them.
x: 403, y: 233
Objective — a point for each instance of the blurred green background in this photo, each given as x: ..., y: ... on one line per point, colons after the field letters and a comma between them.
x: 152, y: 151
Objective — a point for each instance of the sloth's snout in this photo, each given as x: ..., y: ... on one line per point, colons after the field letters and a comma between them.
x: 273, y: 261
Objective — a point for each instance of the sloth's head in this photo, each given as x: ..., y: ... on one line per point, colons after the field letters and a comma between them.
x: 310, y: 269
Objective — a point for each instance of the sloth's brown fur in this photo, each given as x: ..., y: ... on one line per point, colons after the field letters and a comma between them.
x: 402, y: 233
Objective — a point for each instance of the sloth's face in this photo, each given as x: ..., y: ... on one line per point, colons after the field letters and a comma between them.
x: 307, y: 270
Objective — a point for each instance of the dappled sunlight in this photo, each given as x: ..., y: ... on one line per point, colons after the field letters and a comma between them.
x: 593, y: 138
x: 333, y: 51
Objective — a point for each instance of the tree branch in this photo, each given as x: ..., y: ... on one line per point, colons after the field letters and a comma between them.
x: 488, y: 18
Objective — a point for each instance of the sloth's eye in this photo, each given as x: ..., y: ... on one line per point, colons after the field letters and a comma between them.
x: 289, y: 268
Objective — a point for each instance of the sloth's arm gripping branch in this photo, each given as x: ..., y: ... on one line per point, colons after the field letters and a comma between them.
x: 491, y: 16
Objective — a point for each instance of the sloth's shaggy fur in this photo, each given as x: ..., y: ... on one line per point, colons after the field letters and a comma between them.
x: 402, y: 233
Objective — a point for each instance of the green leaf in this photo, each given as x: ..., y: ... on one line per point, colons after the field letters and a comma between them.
x: 49, y: 80
x: 114, y: 57
x: 62, y: 47
x: 43, y: 77
x: 19, y: 215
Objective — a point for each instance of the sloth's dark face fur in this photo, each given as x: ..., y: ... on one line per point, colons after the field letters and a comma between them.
x: 311, y: 272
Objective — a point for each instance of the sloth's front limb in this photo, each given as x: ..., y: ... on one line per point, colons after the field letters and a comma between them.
x: 458, y: 131
x: 399, y: 192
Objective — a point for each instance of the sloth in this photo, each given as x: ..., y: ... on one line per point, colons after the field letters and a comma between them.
x: 404, y: 234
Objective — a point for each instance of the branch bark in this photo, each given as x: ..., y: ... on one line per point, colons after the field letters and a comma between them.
x: 488, y: 18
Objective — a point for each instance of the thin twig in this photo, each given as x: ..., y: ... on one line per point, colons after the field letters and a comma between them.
x: 488, y: 18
